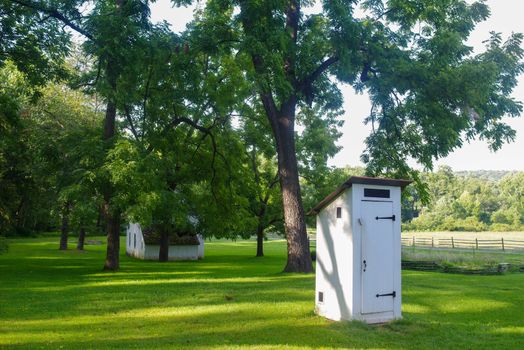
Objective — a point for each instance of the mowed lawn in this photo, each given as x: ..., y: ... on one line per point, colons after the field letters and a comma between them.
x: 62, y: 300
x: 489, y: 235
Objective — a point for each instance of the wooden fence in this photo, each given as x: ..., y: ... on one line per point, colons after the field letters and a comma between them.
x: 463, y: 243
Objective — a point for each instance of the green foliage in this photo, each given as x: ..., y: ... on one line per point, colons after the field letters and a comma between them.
x: 260, y: 182
x: 429, y: 92
x: 14, y: 91
x: 468, y: 203
x: 315, y: 145
x: 33, y: 42
x: 179, y: 164
x: 47, y: 152
x: 318, y: 187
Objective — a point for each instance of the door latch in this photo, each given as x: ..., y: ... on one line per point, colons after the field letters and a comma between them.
x: 365, y: 265
x: 385, y: 217
x: 393, y: 294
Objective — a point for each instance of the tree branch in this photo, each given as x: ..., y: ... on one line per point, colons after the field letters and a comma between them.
x: 310, y: 79
x: 130, y: 121
x: 265, y: 94
x: 269, y: 187
x: 307, y: 84
x: 53, y: 12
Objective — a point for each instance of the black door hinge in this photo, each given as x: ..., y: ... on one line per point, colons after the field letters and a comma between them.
x: 386, y: 218
x: 393, y: 294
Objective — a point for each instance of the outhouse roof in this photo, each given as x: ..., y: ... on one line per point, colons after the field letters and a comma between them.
x: 152, y: 236
x: 364, y: 180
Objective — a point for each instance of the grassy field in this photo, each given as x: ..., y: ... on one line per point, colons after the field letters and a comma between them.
x: 459, y: 256
x: 466, y: 235
x: 51, y: 299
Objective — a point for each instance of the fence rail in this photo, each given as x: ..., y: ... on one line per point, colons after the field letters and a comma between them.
x: 463, y: 243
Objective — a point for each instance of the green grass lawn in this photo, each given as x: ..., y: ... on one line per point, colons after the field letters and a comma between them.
x: 53, y: 299
x: 462, y: 257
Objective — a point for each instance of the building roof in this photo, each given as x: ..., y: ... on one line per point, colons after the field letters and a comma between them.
x: 152, y: 236
x: 364, y: 180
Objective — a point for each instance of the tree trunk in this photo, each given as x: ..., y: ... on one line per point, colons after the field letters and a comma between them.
x: 260, y: 240
x: 298, y: 254
x: 282, y: 121
x: 99, y: 219
x: 109, y: 121
x: 112, y: 215
x: 65, y: 227
x: 81, y: 238
x: 112, y: 262
x: 163, y: 254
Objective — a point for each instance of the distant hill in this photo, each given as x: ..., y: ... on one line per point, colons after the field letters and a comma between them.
x: 491, y: 175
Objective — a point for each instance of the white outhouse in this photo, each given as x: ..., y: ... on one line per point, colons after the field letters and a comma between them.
x: 358, y: 251
x: 140, y: 246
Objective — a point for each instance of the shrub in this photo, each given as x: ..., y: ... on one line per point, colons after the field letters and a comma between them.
x: 498, y: 227
x: 469, y: 224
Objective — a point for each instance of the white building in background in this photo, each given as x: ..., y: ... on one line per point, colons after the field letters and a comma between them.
x: 358, y: 264
x: 140, y: 247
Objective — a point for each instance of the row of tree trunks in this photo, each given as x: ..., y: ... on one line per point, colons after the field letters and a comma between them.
x: 64, y: 230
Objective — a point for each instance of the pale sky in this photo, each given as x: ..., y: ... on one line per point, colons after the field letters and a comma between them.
x: 506, y: 17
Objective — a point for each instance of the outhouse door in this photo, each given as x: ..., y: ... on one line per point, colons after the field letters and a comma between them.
x: 377, y: 256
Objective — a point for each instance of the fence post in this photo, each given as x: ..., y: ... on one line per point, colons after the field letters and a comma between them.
x: 413, y: 241
x: 476, y: 243
x: 452, y: 242
x: 432, y: 243
x: 503, y: 244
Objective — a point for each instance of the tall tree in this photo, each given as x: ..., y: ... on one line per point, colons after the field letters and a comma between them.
x: 63, y: 128
x: 429, y: 91
x: 109, y: 28
x: 261, y: 180
x: 34, y: 44
x: 16, y: 184
x: 42, y: 151
x: 177, y: 105
x: 113, y: 27
x: 315, y: 144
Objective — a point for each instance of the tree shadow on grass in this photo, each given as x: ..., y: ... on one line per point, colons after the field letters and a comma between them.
x: 244, y: 327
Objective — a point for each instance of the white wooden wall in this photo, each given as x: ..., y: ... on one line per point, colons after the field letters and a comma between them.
x: 136, y: 247
x: 339, y: 257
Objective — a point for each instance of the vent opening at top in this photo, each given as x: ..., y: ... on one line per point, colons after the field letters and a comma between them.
x: 376, y: 193
x: 339, y: 212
